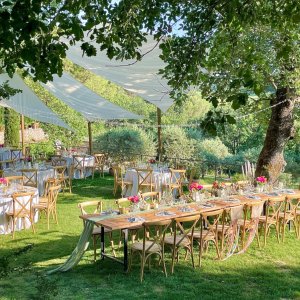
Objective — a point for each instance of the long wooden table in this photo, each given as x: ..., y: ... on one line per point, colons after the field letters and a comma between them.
x: 121, y: 222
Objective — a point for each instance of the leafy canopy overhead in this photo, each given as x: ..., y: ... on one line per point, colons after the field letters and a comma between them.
x: 229, y: 49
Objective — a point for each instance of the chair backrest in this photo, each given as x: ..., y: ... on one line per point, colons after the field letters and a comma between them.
x: 177, y: 176
x: 60, y: 171
x: 22, y: 204
x: 95, y: 205
x: 290, y: 208
x: 99, y: 159
x: 273, y: 208
x: 144, y: 177
x: 14, y: 179
x: 184, y: 232
x: 30, y: 177
x: 211, y: 220
x: 152, y: 196
x: 15, y: 154
x: 53, y: 194
x: 79, y: 162
x: 154, y: 232
x: 121, y: 201
x: 50, y: 182
x: 117, y: 170
x: 58, y: 162
x: 9, y: 163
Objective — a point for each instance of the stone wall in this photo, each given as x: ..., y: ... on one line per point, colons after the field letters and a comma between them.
x: 30, y: 135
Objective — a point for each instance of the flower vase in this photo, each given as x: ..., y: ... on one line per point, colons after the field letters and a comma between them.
x: 197, y: 196
x: 135, y: 207
x: 260, y: 188
x: 221, y: 193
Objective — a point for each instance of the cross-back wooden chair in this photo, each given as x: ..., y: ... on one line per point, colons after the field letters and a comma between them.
x: 99, y: 162
x: 9, y: 163
x: 183, y: 236
x: 151, y: 196
x: 178, y: 177
x: 49, y: 207
x: 289, y: 215
x: 209, y: 234
x: 271, y: 218
x: 119, y: 181
x: 249, y: 223
x: 95, y: 207
x: 18, y: 179
x: 58, y: 162
x: 15, y: 154
x: 79, y: 164
x: 22, y: 209
x: 50, y: 182
x: 64, y: 179
x: 30, y: 177
x: 152, y: 244
x: 145, y: 179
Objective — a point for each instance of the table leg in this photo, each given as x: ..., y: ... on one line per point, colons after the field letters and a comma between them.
x: 125, y: 232
x: 102, y: 243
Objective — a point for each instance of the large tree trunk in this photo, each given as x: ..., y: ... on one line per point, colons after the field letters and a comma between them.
x: 280, y: 130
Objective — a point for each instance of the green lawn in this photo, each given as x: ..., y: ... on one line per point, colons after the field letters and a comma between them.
x: 268, y: 273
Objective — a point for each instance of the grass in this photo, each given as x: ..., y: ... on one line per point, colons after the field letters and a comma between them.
x: 272, y: 272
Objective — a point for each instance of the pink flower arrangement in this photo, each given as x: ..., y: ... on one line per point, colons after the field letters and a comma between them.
x: 134, y: 199
x: 3, y: 181
x: 195, y: 186
x: 152, y: 161
x: 261, y: 180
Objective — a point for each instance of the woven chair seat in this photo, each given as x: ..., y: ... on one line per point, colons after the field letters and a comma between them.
x: 139, y: 246
x: 262, y: 219
x: 20, y: 215
x: 288, y: 216
x: 170, y: 240
x: 43, y: 199
x: 97, y: 230
x: 41, y: 205
x: 205, y: 234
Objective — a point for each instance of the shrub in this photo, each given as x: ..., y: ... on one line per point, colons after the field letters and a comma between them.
x: 176, y: 143
x: 211, y: 150
x: 12, y: 127
x: 125, y: 143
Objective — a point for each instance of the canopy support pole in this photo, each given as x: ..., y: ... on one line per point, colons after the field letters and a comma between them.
x: 159, y: 143
x: 90, y: 138
x: 22, y: 134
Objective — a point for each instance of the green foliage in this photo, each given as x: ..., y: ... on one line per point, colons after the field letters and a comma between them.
x: 211, y: 150
x: 193, y: 109
x: 125, y: 143
x: 42, y: 148
x: 176, y: 143
x: 12, y: 127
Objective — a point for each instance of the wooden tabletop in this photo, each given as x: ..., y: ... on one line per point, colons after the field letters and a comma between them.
x: 114, y: 222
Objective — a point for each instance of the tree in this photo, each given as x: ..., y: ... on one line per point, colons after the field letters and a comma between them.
x: 228, y: 49
x: 12, y: 127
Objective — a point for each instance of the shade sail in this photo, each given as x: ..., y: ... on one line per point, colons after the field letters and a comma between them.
x: 140, y: 78
x: 28, y: 104
x: 85, y: 101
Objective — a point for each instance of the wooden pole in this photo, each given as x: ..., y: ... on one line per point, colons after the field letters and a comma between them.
x: 159, y: 142
x: 90, y: 138
x: 22, y: 134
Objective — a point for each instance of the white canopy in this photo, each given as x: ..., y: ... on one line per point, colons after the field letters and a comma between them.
x: 140, y: 78
x: 28, y: 104
x: 85, y: 101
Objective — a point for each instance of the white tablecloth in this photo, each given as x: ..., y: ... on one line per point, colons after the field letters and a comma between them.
x: 42, y: 176
x: 159, y: 179
x: 6, y: 205
x: 88, y: 163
